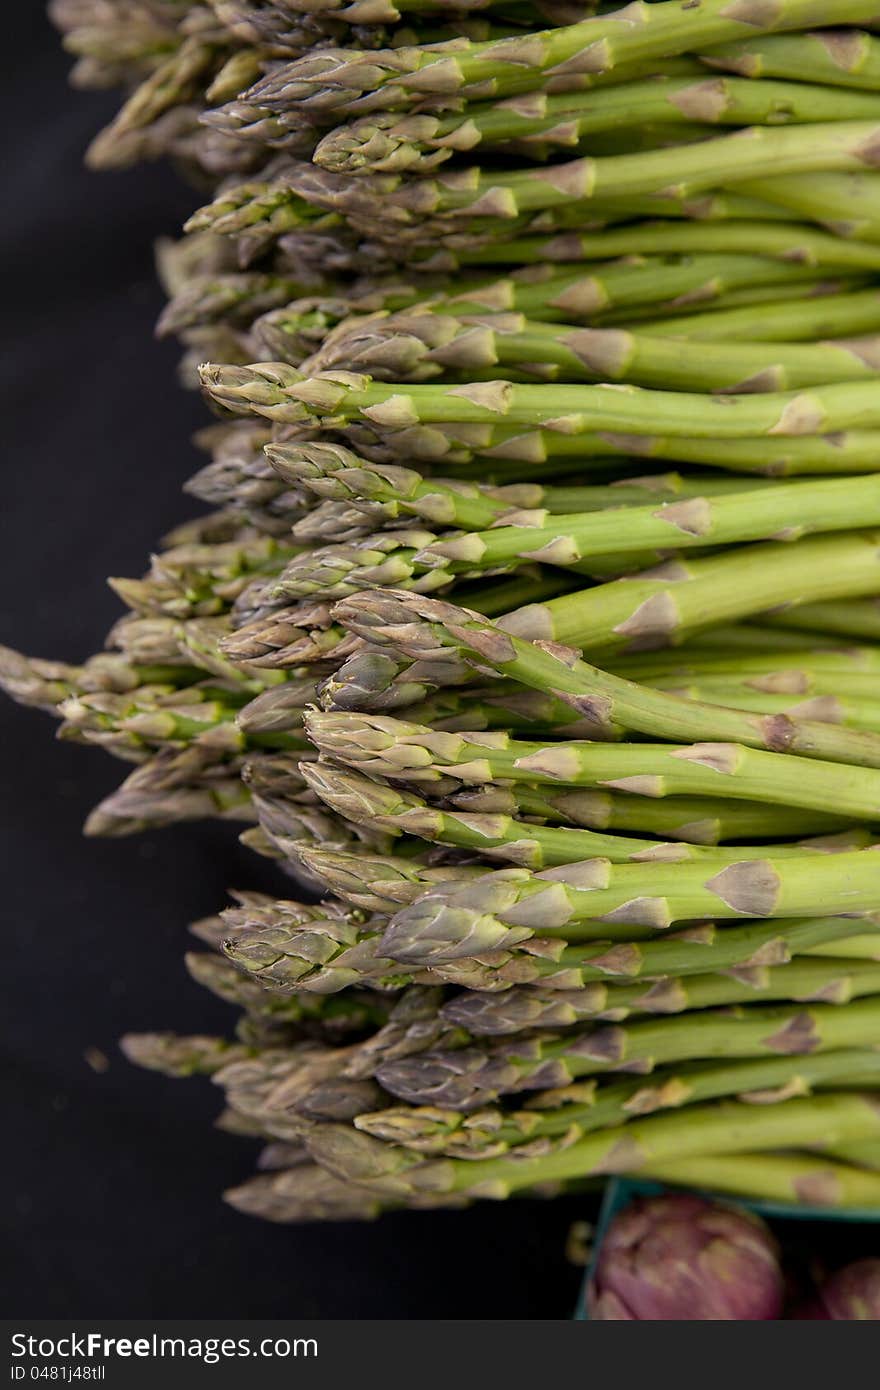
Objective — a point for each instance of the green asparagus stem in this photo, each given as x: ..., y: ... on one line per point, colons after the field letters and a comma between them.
x: 387, y: 143
x: 387, y: 204
x: 472, y: 1077
x: 378, y: 883
x: 365, y: 802
x: 460, y: 446
x: 787, y: 241
x: 573, y: 1112
x: 842, y: 709
x: 810, y: 317
x: 422, y: 627
x: 849, y: 619
x: 321, y: 85
x: 695, y: 521
x: 511, y: 905
x: 385, y: 492
x: 726, y: 1127
x: 526, y: 1007
x: 698, y: 820
x: 419, y: 346
x: 383, y: 747
x: 835, y: 57
x: 811, y: 1182
x: 280, y: 393
x: 864, y: 1155
x: 329, y: 955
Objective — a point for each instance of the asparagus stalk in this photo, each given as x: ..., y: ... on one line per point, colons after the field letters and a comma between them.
x: 849, y: 619
x: 352, y: 1011
x: 422, y: 627
x: 818, y: 316
x: 418, y: 346
x: 797, y: 668
x: 383, y: 204
x: 175, y: 784
x: 365, y: 802
x: 852, y: 199
x: 383, y: 747
x: 838, y: 709
x: 789, y: 510
x: 526, y: 1007
x: 696, y: 819
x: 473, y: 1076
x: 387, y: 143
x: 321, y: 85
x: 308, y: 1192
x: 578, y: 1110
x: 717, y: 1129
x: 461, y: 445
x: 173, y: 1055
x: 796, y: 1178
x: 378, y: 883
x: 279, y: 393
x: 510, y: 905
x: 386, y: 492
x: 326, y: 956
x: 786, y: 241
x: 230, y: 297
x: 576, y: 294
x: 834, y: 57
x: 864, y: 1155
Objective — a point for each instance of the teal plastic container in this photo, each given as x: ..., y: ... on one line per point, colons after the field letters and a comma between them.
x: 621, y: 1191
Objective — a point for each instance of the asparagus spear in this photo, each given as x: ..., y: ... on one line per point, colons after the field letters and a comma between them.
x: 796, y: 668
x: 309, y: 1193
x: 279, y: 393
x: 329, y: 955
x: 378, y: 883
x: 231, y: 297
x: 387, y: 143
x: 461, y: 445
x: 835, y: 57
x: 385, y: 492
x: 174, y: 1055
x: 575, y: 1111
x: 796, y: 1178
x: 855, y: 197
x: 849, y: 619
x: 319, y: 86
x: 810, y: 317
x: 423, y: 627
x: 717, y: 1129
x: 696, y: 819
x: 526, y: 1007
x: 174, y: 82
x: 472, y: 1076
x: 365, y: 802
x: 383, y: 747
x: 175, y: 784
x: 838, y: 709
x: 326, y: 956
x: 353, y: 1011
x: 420, y: 345
x: 787, y: 241
x: 385, y: 204
x: 511, y: 905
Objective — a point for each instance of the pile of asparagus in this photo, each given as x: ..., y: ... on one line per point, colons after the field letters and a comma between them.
x: 534, y: 628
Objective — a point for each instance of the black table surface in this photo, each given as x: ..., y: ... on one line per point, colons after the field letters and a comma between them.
x: 112, y: 1178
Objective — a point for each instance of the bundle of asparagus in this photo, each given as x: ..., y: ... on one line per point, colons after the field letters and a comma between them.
x: 574, y: 801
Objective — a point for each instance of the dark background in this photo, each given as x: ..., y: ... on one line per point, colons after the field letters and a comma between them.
x: 111, y: 1182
